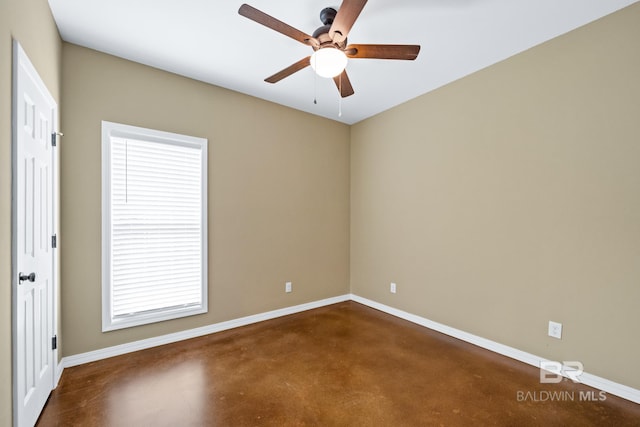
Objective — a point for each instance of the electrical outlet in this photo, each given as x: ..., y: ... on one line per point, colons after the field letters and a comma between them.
x: 555, y: 329
x: 287, y: 287
x: 392, y: 288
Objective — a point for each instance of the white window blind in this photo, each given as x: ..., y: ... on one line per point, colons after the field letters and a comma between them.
x: 156, y: 229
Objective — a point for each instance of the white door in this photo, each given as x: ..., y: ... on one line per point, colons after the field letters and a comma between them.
x: 34, y: 119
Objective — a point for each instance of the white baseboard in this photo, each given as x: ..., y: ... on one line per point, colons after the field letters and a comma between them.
x: 118, y: 350
x: 599, y: 383
x: 59, y: 368
x: 591, y: 380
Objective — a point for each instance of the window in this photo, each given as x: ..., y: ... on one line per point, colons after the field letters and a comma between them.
x: 154, y: 226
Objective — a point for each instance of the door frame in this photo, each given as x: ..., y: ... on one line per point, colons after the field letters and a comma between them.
x: 19, y: 56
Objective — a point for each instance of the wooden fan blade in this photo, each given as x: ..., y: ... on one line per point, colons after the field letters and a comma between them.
x: 343, y: 84
x: 303, y: 63
x: 346, y: 17
x: 383, y: 51
x: 279, y: 26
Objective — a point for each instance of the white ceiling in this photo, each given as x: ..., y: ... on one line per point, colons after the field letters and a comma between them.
x: 207, y: 40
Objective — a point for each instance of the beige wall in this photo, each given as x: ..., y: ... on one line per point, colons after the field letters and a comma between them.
x: 31, y: 23
x: 278, y: 194
x: 512, y: 197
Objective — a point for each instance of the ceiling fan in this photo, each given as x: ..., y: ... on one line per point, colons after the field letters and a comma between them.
x: 329, y: 43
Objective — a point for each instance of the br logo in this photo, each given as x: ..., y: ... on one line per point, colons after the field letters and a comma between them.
x: 553, y: 372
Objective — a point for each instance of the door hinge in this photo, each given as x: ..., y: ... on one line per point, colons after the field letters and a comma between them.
x: 54, y: 241
x: 54, y: 138
x: 54, y: 342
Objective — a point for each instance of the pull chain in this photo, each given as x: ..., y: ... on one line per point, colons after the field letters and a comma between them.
x: 315, y: 83
x: 340, y: 97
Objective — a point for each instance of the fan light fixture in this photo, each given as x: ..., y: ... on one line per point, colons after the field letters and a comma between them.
x: 328, y: 62
x: 329, y: 42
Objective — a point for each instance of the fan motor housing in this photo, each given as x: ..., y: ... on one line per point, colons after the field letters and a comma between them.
x: 327, y: 15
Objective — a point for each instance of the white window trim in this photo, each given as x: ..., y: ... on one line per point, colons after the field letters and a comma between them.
x: 110, y: 129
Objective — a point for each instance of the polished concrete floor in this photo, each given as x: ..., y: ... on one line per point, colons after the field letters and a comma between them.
x: 341, y: 365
